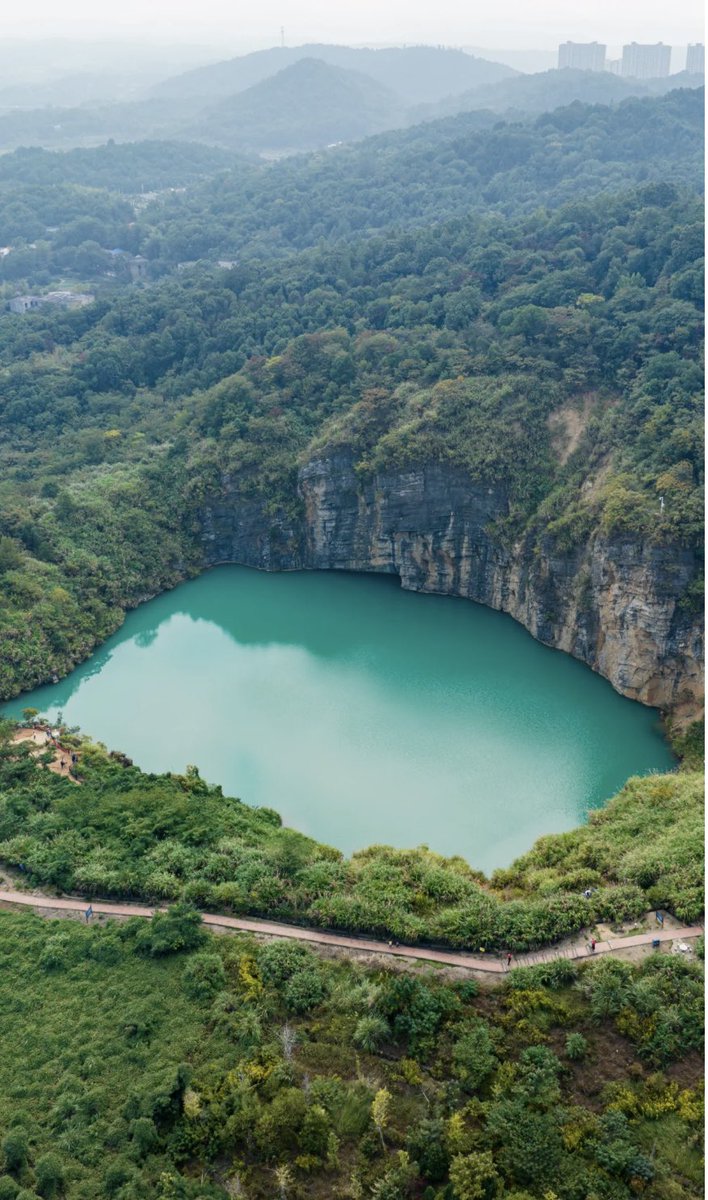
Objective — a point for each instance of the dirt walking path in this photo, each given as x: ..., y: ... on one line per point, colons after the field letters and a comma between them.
x: 48, y: 906
x: 39, y: 738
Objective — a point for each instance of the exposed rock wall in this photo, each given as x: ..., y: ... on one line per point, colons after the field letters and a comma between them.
x: 613, y: 603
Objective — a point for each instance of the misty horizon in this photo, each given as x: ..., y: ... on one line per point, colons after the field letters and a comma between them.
x: 214, y: 27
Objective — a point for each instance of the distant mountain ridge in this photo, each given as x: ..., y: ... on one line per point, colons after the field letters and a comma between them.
x: 307, y: 105
x: 548, y: 90
x: 418, y: 74
x: 279, y: 102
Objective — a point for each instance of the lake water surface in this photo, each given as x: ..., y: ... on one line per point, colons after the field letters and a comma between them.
x: 361, y: 712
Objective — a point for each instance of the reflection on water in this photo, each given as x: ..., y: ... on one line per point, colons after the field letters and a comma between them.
x: 360, y: 712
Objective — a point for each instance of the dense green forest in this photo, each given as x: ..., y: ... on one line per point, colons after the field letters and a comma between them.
x: 262, y: 1071
x: 74, y: 206
x: 435, y: 171
x: 126, y: 167
x: 147, y: 1060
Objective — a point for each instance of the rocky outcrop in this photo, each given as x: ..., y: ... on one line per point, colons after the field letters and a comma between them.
x: 614, y: 603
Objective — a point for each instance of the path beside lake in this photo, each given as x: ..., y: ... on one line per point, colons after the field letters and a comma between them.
x: 491, y: 964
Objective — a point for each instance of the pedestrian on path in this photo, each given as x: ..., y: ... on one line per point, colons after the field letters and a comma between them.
x: 593, y: 944
x: 508, y: 959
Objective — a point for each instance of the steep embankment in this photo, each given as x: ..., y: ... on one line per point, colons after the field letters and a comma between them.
x: 612, y: 602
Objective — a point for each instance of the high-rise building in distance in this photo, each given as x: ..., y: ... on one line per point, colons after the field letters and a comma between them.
x: 696, y: 58
x: 646, y: 62
x: 583, y: 56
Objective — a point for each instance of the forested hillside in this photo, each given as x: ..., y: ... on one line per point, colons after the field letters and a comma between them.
x: 431, y: 172
x: 56, y: 204
x: 149, y: 1062
x: 456, y: 344
x: 125, y: 167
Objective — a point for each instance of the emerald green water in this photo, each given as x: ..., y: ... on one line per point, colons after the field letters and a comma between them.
x: 361, y: 712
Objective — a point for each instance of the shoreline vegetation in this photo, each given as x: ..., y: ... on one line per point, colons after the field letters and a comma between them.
x: 127, y: 834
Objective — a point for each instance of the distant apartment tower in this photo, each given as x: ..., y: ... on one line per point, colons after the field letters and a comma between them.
x: 582, y: 56
x: 696, y: 58
x: 645, y: 61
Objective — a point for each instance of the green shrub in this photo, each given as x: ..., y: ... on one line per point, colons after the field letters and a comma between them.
x: 371, y: 1031
x: 178, y: 930
x: 15, y: 1147
x: 204, y: 977
x: 304, y: 990
x: 279, y: 960
x: 473, y: 1056
x: 576, y: 1046
x: 49, y: 1172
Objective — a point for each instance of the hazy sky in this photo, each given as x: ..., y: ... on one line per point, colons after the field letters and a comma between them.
x: 514, y: 24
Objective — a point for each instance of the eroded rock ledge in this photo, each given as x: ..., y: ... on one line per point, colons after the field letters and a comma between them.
x: 613, y: 603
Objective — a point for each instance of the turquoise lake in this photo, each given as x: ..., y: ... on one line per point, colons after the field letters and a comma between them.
x: 361, y: 712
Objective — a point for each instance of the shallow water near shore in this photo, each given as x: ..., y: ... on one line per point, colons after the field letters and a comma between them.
x: 361, y: 713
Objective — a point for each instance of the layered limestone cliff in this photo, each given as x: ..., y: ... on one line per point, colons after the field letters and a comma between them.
x: 613, y: 603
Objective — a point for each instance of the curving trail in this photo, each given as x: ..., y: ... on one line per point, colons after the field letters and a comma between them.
x: 48, y: 905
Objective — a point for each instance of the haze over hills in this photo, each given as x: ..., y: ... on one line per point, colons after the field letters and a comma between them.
x: 307, y: 105
x: 66, y: 128
x: 552, y: 89
x: 521, y: 60
x: 418, y: 74
x: 65, y: 72
x: 311, y: 104
x: 349, y: 94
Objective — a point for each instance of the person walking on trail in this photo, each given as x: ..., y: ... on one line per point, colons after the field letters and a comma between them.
x: 508, y: 958
x: 593, y: 943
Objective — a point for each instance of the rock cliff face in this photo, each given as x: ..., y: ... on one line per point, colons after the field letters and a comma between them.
x: 613, y: 603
